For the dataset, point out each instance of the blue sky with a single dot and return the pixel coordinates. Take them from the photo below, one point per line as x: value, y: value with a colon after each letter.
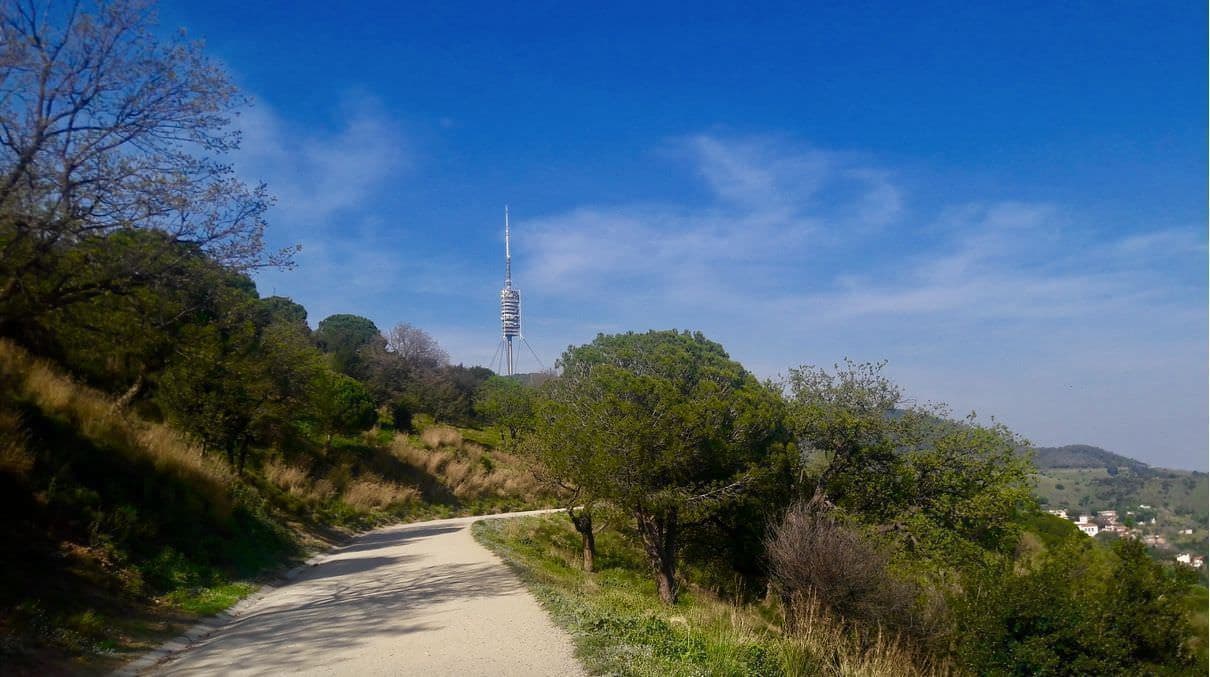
x: 1008, y: 204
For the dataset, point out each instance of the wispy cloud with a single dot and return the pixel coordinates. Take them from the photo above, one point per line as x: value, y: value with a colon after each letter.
x: 317, y: 173
x: 323, y: 178
x: 771, y: 206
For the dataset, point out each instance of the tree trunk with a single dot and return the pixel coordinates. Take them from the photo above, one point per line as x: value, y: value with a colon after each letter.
x: 588, y: 540
x: 659, y: 532
x: 243, y: 455
x: 132, y: 392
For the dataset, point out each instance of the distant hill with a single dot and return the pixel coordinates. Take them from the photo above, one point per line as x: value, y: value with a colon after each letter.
x: 1081, y: 476
x: 1083, y: 456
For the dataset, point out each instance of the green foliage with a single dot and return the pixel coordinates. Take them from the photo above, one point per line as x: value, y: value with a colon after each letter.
x: 620, y: 626
x: 951, y: 489
x: 342, y: 405
x: 1083, y: 456
x: 508, y: 403
x: 1080, y: 609
x: 1182, y: 493
x: 664, y: 425
x: 344, y: 337
x: 112, y: 131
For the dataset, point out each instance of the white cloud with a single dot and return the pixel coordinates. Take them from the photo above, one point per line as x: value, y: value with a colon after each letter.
x: 317, y: 173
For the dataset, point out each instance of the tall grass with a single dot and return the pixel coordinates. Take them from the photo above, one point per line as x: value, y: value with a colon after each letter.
x: 93, y: 414
x: 15, y: 459
x: 621, y: 627
x: 372, y: 494
x: 469, y: 470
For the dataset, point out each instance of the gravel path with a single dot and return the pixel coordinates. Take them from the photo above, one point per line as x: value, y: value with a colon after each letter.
x: 417, y: 599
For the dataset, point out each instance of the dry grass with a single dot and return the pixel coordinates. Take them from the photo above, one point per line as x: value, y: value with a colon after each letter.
x: 822, y: 644
x: 94, y: 415
x: 368, y: 492
x: 437, y: 436
x: 291, y: 479
x: 468, y: 469
x: 15, y: 459
x: 373, y: 493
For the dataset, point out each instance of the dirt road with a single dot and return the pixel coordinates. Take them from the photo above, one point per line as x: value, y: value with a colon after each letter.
x: 417, y: 599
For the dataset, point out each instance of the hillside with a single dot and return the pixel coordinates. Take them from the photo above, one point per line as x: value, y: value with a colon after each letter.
x: 1083, y: 456
x: 118, y: 531
x: 1085, y: 477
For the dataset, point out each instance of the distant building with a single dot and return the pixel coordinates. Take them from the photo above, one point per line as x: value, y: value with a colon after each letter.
x: 1089, y: 528
x: 1119, y: 529
x: 1155, y: 540
x: 1110, y: 515
x: 1082, y: 519
x: 1187, y: 532
x: 1058, y: 513
x: 1195, y: 561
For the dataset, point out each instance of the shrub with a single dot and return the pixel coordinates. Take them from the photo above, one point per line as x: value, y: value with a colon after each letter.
x: 815, y: 561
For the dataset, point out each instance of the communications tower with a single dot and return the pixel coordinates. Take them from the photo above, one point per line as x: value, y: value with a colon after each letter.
x: 510, y: 304
x: 510, y: 313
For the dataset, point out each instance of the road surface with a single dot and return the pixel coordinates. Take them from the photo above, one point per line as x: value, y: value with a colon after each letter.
x: 416, y: 599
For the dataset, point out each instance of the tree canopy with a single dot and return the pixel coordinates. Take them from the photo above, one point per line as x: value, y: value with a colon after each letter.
x: 665, y: 425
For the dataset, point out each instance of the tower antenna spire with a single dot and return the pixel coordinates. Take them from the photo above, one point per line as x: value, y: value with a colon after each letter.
x: 510, y: 304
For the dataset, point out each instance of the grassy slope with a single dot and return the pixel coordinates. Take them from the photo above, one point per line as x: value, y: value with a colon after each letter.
x: 620, y: 627
x: 118, y: 533
x: 1080, y: 476
x: 1182, y: 493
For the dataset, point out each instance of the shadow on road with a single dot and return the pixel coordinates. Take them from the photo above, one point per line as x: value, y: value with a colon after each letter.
x: 358, y: 601
x: 396, y: 536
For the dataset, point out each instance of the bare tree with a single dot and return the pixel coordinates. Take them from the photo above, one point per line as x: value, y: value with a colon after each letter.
x: 106, y: 128
x: 416, y: 347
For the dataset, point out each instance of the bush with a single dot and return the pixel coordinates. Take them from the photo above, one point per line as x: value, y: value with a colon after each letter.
x: 1080, y: 609
x: 815, y: 560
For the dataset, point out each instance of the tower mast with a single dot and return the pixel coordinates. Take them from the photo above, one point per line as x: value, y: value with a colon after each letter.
x: 510, y: 303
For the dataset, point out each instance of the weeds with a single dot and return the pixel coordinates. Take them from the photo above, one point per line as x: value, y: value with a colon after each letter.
x: 620, y: 626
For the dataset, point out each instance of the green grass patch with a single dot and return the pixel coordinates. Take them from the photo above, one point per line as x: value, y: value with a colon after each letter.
x: 208, y: 601
x: 620, y: 627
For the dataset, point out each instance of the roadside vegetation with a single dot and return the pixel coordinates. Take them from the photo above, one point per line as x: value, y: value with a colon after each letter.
x: 119, y: 530
x: 817, y: 525
x: 620, y: 626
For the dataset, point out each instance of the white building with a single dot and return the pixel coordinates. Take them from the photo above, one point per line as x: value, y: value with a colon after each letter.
x: 1088, y: 527
x: 1058, y: 513
x: 1111, y: 515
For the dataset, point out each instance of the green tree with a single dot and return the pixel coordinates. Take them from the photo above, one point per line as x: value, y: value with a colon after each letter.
x: 345, y: 337
x: 949, y: 488
x: 342, y: 405
x: 108, y: 128
x: 508, y: 403
x: 1079, y: 608
x: 240, y: 375
x: 663, y: 424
